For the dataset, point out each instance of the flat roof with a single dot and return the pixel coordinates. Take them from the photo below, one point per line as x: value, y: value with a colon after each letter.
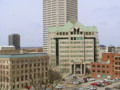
x: 23, y: 55
x: 7, y: 46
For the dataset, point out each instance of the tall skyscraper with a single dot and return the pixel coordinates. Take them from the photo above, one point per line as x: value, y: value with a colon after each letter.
x: 14, y: 39
x: 57, y: 13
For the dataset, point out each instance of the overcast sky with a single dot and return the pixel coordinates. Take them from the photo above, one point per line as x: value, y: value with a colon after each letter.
x: 24, y: 17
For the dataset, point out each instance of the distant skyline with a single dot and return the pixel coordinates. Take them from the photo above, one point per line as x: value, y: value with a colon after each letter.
x: 24, y: 17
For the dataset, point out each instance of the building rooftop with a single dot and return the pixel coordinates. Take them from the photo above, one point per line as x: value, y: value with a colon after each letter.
x: 23, y: 55
x: 69, y: 25
x: 7, y: 46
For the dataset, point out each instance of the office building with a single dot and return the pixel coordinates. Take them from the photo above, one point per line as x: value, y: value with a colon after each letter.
x: 14, y: 39
x: 73, y: 47
x: 22, y: 70
x: 57, y: 13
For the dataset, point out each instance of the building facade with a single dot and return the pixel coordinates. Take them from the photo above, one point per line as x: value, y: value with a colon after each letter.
x: 73, y: 47
x: 7, y: 48
x: 14, y: 39
x: 18, y: 71
x: 102, y: 70
x: 57, y: 13
x: 109, y: 68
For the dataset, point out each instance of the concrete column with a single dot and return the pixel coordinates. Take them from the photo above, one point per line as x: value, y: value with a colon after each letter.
x: 74, y: 69
x: 81, y: 69
x: 84, y: 69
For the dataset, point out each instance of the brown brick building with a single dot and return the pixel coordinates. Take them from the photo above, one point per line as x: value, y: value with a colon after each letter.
x: 101, y: 70
x: 108, y: 68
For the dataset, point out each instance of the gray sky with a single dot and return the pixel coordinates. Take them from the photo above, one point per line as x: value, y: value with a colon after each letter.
x: 25, y: 18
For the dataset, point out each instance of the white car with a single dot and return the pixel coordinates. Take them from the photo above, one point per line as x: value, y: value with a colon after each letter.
x: 59, y: 87
x: 92, y: 79
x: 101, y: 81
x: 92, y: 88
x: 75, y: 82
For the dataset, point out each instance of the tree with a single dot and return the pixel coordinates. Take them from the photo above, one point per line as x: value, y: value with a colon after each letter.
x: 53, y: 79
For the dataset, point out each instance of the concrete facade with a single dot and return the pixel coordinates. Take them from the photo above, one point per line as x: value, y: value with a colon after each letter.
x: 73, y: 47
x: 57, y: 13
x: 21, y: 70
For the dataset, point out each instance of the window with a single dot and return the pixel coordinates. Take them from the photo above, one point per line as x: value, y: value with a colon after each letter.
x: 116, y: 58
x: 21, y: 78
x: 103, y: 66
x: 74, y: 31
x: 89, y: 33
x: 21, y: 66
x: 103, y: 71
x: 71, y: 33
x: 86, y: 33
x: 98, y: 71
x: 98, y: 66
x: 81, y: 33
x: 78, y: 31
x: 116, y: 73
x: 93, y: 70
x: 25, y: 77
x: 60, y: 33
x: 93, y: 65
x: 116, y: 68
x: 71, y: 38
x: 66, y: 33
x: 116, y: 63
x: 74, y: 38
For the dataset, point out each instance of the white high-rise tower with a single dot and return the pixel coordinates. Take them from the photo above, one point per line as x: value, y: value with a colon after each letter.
x: 57, y: 13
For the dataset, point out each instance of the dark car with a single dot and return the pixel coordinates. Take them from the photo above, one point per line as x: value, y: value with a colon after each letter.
x: 100, y: 85
x: 85, y: 79
x: 107, y: 88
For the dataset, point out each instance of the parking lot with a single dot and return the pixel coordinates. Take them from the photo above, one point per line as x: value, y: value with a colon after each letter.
x: 69, y: 85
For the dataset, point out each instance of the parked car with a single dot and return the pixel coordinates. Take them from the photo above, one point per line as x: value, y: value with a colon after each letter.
x: 85, y: 79
x: 94, y: 83
x: 107, y: 83
x: 100, y: 85
x: 113, y: 81
x: 107, y: 88
x: 74, y: 77
x: 59, y: 87
x: 75, y: 82
x: 116, y: 86
x: 79, y: 88
x: 81, y: 80
x: 47, y: 89
x: 91, y: 88
x: 92, y: 79
x: 101, y: 81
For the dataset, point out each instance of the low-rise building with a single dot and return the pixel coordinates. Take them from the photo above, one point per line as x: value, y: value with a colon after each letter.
x: 101, y: 70
x: 7, y: 48
x: 108, y: 68
x: 21, y: 70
